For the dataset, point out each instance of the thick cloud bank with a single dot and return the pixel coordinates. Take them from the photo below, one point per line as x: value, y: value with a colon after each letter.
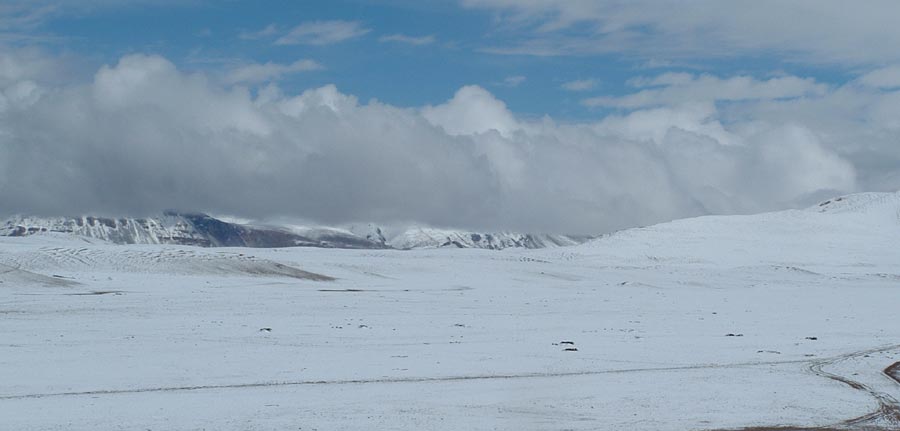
x: 143, y: 136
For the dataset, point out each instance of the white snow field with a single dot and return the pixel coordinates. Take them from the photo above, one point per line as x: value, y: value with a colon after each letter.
x: 95, y: 336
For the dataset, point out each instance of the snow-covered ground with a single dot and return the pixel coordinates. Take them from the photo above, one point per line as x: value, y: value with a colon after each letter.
x: 716, y: 322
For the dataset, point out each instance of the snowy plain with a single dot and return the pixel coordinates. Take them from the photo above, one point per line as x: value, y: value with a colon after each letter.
x: 724, y: 322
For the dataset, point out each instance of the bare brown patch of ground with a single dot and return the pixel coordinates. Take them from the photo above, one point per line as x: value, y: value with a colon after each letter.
x: 893, y: 372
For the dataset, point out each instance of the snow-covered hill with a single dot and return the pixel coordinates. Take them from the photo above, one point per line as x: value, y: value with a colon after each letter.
x: 828, y: 232
x: 783, y: 320
x: 207, y: 231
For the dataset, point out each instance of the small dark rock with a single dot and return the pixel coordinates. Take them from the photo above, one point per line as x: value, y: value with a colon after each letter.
x: 812, y: 338
x: 570, y: 349
x: 265, y: 329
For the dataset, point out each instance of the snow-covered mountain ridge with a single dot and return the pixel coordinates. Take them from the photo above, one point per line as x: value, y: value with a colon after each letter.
x: 827, y: 218
x: 203, y: 230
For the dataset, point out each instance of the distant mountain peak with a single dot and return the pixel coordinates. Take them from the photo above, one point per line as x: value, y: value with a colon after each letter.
x: 426, y: 237
x: 199, y: 229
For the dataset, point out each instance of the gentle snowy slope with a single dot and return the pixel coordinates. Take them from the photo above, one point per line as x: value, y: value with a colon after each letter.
x: 862, y: 227
x: 711, y: 323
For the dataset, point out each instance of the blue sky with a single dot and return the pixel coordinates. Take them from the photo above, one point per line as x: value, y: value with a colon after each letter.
x: 578, y: 116
x: 205, y: 36
x: 209, y: 35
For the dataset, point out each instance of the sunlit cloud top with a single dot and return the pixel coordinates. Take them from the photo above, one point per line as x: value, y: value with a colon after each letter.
x: 571, y: 117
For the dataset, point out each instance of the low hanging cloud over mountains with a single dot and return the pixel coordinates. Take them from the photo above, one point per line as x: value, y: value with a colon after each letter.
x: 142, y: 136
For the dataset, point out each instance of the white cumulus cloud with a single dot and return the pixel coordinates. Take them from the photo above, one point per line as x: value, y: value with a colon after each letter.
x: 142, y: 136
x: 886, y: 77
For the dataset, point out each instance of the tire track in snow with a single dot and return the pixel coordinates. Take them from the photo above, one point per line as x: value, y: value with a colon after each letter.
x: 397, y: 380
x: 885, y: 418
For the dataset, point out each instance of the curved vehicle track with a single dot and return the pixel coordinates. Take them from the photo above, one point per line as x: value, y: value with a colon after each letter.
x: 885, y: 418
